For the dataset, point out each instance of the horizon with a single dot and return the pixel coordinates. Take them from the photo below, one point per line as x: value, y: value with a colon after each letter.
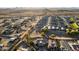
x: 38, y: 3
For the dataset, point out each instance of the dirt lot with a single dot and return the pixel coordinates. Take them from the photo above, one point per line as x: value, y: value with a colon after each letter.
x: 37, y: 12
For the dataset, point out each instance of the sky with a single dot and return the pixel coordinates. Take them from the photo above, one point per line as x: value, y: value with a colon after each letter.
x: 39, y: 3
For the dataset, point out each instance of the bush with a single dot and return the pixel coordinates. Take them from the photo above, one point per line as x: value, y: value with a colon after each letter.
x: 42, y: 34
x: 74, y: 33
x: 45, y: 30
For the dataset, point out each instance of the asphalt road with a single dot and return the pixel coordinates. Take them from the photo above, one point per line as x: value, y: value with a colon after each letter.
x: 66, y: 45
x: 56, y: 22
x: 53, y: 21
x: 41, y: 23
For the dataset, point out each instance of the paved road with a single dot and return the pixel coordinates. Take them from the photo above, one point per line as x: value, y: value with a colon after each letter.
x: 27, y: 32
x: 56, y: 22
x: 65, y: 19
x: 64, y: 23
x: 66, y: 45
x: 41, y: 23
x: 53, y: 21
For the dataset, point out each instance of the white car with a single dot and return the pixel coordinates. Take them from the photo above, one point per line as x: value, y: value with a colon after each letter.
x: 53, y: 27
x: 49, y: 27
x: 57, y: 28
x: 62, y: 28
x: 12, y: 39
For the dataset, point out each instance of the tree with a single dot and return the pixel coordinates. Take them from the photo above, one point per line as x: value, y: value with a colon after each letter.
x: 42, y: 34
x: 29, y: 40
x: 71, y: 19
x: 74, y: 33
x: 74, y: 25
x: 58, y: 45
x: 44, y: 30
x: 53, y: 35
x: 0, y: 31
